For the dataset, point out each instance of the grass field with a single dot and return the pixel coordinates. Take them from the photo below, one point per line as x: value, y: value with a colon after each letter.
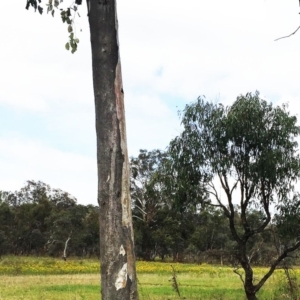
x: 49, y: 279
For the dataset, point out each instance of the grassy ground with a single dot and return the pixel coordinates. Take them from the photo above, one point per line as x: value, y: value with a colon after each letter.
x: 44, y: 278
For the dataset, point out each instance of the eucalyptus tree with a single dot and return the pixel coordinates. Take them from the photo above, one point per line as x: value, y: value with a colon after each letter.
x: 146, y: 183
x: 148, y: 198
x: 118, y: 275
x: 249, y: 152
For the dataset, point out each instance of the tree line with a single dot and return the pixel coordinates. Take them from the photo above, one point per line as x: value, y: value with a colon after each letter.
x: 38, y: 220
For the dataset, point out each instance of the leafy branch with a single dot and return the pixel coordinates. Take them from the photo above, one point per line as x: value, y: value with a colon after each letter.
x: 67, y: 15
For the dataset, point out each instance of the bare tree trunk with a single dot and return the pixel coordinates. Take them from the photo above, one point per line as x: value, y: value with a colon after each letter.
x: 118, y: 274
x: 64, y: 257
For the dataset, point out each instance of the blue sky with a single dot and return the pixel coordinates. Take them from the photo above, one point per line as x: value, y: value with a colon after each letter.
x: 171, y: 52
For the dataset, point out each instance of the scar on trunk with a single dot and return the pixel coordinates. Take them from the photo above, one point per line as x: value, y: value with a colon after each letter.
x: 122, y: 250
x: 121, y: 278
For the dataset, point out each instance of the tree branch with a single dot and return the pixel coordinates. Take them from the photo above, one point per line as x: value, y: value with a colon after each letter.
x: 215, y: 193
x: 239, y: 274
x: 233, y: 187
x: 283, y: 37
x: 275, y: 264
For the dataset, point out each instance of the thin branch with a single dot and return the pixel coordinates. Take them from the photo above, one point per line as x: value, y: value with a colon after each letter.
x: 215, y: 193
x: 223, y: 184
x: 253, y: 251
x: 141, y: 210
x: 212, y: 193
x: 213, y: 205
x: 288, y: 35
x: 239, y: 274
x: 175, y: 284
x: 234, y: 186
x: 134, y: 216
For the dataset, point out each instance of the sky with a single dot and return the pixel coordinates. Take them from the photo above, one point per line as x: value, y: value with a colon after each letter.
x: 171, y: 52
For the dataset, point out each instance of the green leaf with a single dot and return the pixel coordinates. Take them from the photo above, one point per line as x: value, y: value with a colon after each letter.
x: 50, y: 8
x: 70, y: 29
x: 74, y: 48
x: 56, y: 3
x: 40, y: 9
x: 67, y: 46
x: 33, y: 3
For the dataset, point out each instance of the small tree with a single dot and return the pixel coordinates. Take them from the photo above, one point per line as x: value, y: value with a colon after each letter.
x: 249, y: 149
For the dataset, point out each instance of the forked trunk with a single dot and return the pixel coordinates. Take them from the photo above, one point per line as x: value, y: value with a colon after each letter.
x: 118, y: 275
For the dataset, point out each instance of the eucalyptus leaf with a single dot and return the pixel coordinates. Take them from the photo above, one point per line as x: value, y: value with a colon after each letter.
x: 40, y: 9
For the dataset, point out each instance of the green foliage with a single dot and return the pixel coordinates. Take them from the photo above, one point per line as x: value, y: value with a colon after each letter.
x: 262, y: 139
x: 67, y: 16
x: 34, y: 4
x: 146, y: 185
x: 287, y: 220
x: 38, y: 219
x: 148, y: 199
x: 249, y: 146
x: 251, y: 139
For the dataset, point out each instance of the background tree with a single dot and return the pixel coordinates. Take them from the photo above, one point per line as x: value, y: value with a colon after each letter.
x: 146, y: 184
x: 118, y: 274
x: 211, y: 237
x: 165, y: 208
x: 148, y: 198
x: 250, y: 148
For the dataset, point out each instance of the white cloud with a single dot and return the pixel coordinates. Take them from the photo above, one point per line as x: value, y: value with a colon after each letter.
x: 150, y: 123
x: 26, y: 159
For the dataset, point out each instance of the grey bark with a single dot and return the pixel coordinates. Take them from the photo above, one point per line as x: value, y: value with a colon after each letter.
x: 118, y: 274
